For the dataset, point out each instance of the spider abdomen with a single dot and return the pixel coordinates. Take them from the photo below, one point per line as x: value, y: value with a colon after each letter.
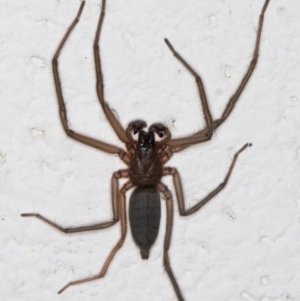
x: 144, y: 217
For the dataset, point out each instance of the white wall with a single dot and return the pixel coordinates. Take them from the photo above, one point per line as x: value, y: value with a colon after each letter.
x: 243, y: 245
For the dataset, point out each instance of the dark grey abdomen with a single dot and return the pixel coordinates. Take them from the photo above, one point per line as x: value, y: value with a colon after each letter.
x: 144, y: 217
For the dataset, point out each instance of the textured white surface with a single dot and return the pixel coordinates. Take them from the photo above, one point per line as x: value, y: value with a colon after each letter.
x: 243, y: 245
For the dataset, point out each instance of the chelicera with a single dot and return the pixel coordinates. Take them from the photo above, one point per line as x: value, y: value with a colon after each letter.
x: 145, y: 159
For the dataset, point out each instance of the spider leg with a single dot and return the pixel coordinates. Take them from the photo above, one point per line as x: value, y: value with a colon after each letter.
x: 170, y: 210
x: 114, y: 122
x: 115, y: 207
x: 108, y: 148
x: 205, y: 107
x: 236, y: 95
x: 179, y: 191
x: 71, y: 230
x: 122, y: 206
x: 165, y: 154
x: 181, y: 143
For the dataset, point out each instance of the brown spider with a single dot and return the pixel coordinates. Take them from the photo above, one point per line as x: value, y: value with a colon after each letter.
x: 145, y: 158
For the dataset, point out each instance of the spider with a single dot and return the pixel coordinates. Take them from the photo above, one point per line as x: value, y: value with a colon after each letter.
x: 145, y: 158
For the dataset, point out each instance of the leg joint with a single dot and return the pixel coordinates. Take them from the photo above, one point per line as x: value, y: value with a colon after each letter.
x: 117, y: 174
x: 170, y: 171
x: 165, y: 191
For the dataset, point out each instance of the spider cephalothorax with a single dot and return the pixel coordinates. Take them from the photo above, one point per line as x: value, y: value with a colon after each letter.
x: 145, y: 168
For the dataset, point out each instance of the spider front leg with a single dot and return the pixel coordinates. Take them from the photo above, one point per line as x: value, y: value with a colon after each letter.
x: 204, y: 135
x: 115, y: 207
x: 122, y: 206
x: 203, y: 98
x: 235, y: 97
x: 114, y: 122
x: 179, y: 191
x: 108, y: 148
